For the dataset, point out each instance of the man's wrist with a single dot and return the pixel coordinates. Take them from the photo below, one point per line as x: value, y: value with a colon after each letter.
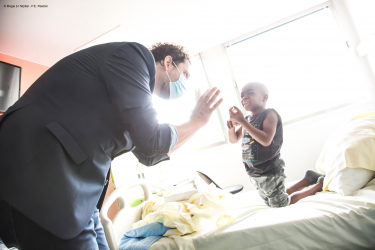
x: 196, y: 123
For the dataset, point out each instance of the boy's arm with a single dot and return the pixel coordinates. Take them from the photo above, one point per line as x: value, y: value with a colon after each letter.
x: 269, y: 127
x: 233, y: 134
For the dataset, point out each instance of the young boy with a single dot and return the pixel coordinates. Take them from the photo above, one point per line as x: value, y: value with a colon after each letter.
x: 262, y: 138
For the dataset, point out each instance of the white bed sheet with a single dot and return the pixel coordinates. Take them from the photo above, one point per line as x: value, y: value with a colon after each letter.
x: 326, y: 220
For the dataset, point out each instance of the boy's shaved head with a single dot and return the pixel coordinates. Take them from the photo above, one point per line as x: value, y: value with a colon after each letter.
x: 259, y: 86
x: 254, y: 96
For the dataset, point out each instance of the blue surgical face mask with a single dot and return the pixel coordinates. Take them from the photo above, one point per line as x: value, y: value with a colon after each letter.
x: 178, y: 88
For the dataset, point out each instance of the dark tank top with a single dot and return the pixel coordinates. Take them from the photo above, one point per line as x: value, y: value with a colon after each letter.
x: 260, y: 160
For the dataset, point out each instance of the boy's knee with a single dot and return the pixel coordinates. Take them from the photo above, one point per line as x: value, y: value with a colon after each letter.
x: 280, y: 200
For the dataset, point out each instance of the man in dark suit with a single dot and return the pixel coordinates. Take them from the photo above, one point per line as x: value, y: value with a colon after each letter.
x: 57, y: 141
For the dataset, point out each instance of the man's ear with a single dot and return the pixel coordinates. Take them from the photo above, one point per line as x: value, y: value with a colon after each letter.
x: 265, y: 98
x: 167, y: 62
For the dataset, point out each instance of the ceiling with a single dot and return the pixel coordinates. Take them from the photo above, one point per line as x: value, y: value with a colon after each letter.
x: 45, y: 35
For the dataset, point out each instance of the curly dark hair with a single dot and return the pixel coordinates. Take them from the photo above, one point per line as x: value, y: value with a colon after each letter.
x: 177, y: 52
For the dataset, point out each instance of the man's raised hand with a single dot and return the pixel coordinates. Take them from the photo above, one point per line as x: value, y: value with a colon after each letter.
x: 205, y: 106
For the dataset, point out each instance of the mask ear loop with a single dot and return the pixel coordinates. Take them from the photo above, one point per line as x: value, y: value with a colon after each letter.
x: 178, y: 70
x: 176, y: 66
x: 168, y: 76
x: 169, y: 83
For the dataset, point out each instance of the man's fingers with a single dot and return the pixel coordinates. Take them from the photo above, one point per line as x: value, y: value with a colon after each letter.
x: 213, y: 97
x: 217, y: 104
x: 210, y: 93
x: 203, y: 96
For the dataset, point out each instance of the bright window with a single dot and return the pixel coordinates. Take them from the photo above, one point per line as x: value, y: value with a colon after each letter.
x: 178, y: 111
x: 305, y: 64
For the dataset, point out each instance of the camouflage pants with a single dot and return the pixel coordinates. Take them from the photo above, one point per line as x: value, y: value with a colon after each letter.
x: 271, y: 188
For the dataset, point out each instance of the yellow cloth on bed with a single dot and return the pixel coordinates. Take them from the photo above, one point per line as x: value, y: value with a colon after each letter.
x: 363, y: 115
x: 189, y: 216
x: 350, y: 146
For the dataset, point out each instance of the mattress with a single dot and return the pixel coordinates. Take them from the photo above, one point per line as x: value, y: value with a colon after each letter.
x: 326, y: 220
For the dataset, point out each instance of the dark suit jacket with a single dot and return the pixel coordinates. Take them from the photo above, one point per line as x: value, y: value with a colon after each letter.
x: 58, y: 140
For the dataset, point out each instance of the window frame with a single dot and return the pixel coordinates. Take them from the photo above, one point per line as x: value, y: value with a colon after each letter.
x: 217, y: 111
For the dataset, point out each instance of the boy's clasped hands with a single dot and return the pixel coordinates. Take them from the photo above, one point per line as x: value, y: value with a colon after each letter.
x: 236, y: 117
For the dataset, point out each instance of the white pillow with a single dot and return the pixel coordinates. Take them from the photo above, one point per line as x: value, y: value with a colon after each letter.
x: 349, y: 180
x: 371, y: 183
x: 350, y: 146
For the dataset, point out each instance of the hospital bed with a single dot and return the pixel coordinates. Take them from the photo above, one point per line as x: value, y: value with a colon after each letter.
x: 326, y: 220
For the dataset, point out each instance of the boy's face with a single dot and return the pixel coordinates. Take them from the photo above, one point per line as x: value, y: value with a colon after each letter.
x: 252, y: 98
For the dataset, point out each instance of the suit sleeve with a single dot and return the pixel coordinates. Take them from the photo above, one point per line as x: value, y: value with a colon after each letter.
x: 130, y: 77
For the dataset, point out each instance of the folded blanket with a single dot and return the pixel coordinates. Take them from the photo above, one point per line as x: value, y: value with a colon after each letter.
x: 141, y: 238
x: 200, y: 211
